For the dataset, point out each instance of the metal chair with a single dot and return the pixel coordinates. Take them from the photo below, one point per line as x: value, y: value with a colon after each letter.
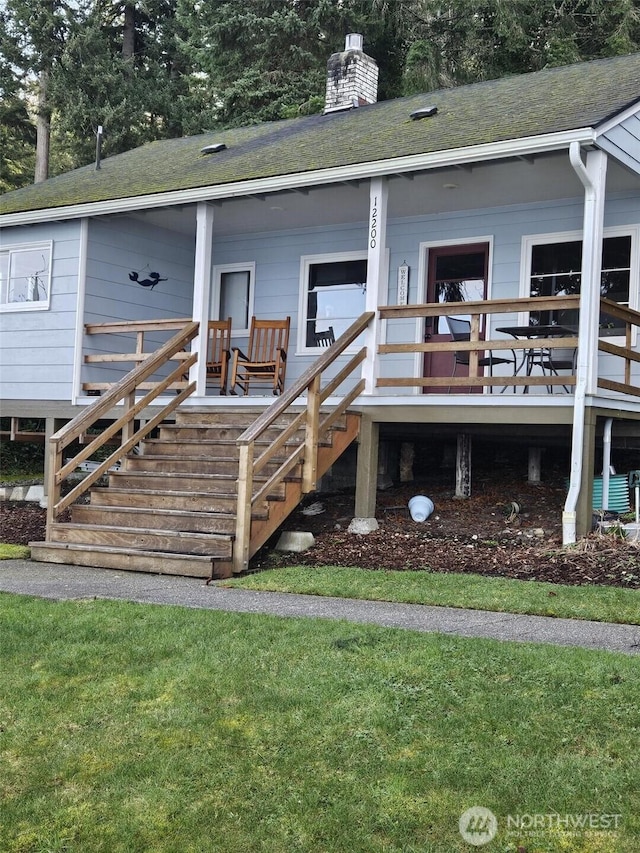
x: 266, y: 360
x: 552, y: 361
x: 218, y: 352
x: 460, y: 330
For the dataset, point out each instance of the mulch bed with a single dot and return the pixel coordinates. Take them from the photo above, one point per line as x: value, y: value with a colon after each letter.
x: 506, y: 529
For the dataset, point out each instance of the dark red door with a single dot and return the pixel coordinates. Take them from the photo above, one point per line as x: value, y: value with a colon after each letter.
x: 455, y: 274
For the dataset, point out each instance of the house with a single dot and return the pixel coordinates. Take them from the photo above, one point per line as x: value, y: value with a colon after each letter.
x: 513, y: 205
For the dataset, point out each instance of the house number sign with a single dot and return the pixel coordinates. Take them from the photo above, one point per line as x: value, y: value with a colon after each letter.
x: 403, y: 284
x: 373, y: 228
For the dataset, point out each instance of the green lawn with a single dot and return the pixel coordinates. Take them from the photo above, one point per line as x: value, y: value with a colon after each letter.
x: 128, y: 728
x: 599, y: 603
x: 14, y: 552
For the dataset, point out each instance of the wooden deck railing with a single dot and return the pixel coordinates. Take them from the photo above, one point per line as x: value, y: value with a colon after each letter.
x: 137, y: 330
x: 630, y: 318
x: 123, y: 392
x: 315, y: 427
x: 476, y: 347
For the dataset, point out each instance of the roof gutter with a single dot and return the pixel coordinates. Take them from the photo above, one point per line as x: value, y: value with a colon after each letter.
x: 359, y: 171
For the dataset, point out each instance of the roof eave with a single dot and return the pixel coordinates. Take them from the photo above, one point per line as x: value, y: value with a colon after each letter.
x: 618, y: 118
x: 358, y: 171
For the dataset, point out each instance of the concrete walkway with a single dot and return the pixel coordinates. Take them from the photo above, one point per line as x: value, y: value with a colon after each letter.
x: 62, y: 582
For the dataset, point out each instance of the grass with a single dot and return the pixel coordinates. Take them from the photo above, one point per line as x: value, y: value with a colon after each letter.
x: 127, y: 728
x: 599, y: 603
x: 14, y: 552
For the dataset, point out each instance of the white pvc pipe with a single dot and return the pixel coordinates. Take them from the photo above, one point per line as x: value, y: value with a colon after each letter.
x: 606, y: 462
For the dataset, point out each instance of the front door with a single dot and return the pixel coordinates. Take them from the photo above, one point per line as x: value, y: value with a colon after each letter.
x: 455, y: 274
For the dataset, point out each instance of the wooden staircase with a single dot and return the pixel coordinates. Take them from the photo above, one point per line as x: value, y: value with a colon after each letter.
x: 171, y: 507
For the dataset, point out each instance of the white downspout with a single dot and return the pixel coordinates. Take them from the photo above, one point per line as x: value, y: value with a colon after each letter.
x: 593, y: 178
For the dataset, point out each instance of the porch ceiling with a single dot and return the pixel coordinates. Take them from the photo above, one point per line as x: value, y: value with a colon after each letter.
x: 494, y: 184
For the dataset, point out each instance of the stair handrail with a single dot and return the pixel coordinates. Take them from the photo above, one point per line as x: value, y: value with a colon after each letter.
x: 123, y: 392
x: 310, y: 382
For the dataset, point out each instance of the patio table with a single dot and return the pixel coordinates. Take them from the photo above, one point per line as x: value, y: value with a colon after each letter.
x: 535, y: 355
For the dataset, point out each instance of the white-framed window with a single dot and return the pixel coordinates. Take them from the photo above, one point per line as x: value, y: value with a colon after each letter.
x: 332, y: 295
x: 25, y: 277
x: 554, y: 268
x: 233, y: 293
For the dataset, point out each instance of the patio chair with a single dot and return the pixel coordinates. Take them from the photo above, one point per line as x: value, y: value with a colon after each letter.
x: 460, y: 330
x: 266, y: 360
x: 552, y: 361
x: 218, y: 352
x: 324, y: 339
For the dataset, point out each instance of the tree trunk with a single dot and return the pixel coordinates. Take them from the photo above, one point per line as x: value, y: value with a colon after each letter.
x: 43, y: 129
x: 129, y: 32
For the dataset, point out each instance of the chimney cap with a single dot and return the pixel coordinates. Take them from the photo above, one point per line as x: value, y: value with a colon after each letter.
x: 353, y: 41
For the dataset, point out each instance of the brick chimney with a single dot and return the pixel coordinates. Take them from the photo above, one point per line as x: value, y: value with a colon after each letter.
x: 352, y: 77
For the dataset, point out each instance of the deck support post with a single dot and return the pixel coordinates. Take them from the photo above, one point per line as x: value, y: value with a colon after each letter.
x: 584, y: 507
x: 367, y: 469
x: 463, y: 466
x: 51, y: 426
x: 535, y: 465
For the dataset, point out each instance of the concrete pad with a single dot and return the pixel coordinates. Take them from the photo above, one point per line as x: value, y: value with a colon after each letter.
x: 363, y: 525
x: 35, y: 493
x: 19, y: 493
x: 295, y: 541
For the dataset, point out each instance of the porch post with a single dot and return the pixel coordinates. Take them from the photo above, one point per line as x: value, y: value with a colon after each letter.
x: 366, y: 477
x: 584, y: 510
x: 201, y: 289
x: 463, y: 466
x: 592, y: 229
x: 535, y: 465
x: 377, y: 277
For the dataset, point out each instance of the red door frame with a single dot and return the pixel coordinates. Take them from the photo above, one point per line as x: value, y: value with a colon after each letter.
x: 437, y: 363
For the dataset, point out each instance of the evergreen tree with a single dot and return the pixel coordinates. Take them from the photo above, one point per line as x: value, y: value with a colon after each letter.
x: 32, y: 39
x: 121, y: 69
x: 267, y: 59
x: 470, y: 40
x: 150, y: 69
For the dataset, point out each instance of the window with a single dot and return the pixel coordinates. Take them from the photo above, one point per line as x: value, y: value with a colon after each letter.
x: 234, y: 295
x: 333, y: 293
x: 556, y: 270
x: 25, y: 277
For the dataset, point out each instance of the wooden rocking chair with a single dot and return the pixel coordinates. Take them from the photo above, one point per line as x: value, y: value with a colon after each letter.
x: 218, y: 352
x: 267, y: 357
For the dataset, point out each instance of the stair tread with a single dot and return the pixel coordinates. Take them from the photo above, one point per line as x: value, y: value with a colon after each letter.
x: 74, y: 546
x: 172, y: 492
x: 181, y: 474
x: 175, y: 513
x: 140, y: 531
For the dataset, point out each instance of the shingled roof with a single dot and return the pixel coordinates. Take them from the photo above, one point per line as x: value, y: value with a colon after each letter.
x: 511, y: 108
